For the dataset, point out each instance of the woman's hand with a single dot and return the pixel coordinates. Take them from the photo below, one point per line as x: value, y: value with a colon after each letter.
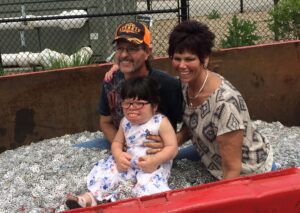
x: 123, y: 161
x: 109, y: 74
x: 147, y: 163
x: 155, y: 146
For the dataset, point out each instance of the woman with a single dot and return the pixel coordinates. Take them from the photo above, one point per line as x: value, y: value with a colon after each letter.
x: 216, y: 116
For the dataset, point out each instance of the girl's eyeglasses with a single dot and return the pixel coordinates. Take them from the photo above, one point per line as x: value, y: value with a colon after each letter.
x: 134, y: 105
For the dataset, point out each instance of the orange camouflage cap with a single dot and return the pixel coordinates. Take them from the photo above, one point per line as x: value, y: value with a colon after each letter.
x: 134, y: 32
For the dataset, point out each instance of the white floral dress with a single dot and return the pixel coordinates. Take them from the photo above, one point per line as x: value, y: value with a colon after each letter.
x: 104, y: 178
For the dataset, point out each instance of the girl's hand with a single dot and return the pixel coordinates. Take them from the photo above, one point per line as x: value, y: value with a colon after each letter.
x: 155, y: 146
x: 147, y: 164
x: 123, y: 161
x: 109, y: 74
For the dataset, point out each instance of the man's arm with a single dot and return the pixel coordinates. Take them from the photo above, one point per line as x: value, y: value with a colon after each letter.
x: 156, y: 146
x: 107, y: 127
x: 150, y: 163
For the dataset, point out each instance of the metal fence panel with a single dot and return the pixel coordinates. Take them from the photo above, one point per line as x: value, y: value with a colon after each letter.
x: 33, y: 30
x: 65, y: 26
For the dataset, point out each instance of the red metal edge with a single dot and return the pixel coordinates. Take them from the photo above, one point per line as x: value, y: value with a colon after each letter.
x: 255, y: 192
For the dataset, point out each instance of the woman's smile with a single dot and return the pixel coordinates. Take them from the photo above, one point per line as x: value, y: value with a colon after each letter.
x: 187, y: 65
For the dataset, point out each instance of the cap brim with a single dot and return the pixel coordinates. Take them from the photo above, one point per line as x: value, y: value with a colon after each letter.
x: 132, y: 40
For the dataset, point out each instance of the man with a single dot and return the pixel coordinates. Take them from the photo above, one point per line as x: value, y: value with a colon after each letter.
x: 132, y: 51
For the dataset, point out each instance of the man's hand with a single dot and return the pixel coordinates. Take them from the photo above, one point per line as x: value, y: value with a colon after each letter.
x: 123, y: 161
x: 155, y: 146
x: 147, y: 163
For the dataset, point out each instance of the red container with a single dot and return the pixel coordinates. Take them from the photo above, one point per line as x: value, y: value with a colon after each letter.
x: 277, y: 191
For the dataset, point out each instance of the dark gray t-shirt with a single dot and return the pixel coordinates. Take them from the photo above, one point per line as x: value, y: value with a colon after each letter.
x: 171, y: 100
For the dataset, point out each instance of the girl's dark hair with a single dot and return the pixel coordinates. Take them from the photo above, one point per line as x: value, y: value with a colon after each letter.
x: 191, y: 36
x: 144, y: 88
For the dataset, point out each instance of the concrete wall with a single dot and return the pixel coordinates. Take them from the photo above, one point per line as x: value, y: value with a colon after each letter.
x: 49, y: 104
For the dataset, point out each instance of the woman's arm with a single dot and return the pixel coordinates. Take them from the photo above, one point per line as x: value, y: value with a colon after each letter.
x: 230, y: 145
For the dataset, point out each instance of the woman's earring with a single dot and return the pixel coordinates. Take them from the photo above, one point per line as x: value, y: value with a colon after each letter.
x: 205, y: 66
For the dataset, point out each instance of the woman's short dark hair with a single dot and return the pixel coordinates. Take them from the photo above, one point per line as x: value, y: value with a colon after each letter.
x: 144, y: 88
x: 191, y: 36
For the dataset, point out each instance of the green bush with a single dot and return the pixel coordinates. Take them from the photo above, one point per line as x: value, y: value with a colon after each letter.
x: 214, y: 14
x: 240, y: 33
x: 285, y: 20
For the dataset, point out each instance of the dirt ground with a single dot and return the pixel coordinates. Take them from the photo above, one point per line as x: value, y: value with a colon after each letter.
x: 162, y: 28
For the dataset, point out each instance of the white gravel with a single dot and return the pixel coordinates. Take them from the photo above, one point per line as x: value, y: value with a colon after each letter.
x: 38, y: 176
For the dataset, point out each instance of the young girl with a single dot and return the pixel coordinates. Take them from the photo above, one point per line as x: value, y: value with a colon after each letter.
x: 149, y: 172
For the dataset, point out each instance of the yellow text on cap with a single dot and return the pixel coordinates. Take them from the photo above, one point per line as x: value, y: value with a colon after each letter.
x: 130, y: 28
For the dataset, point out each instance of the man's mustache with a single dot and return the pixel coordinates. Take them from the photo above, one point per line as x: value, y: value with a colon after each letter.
x: 125, y: 59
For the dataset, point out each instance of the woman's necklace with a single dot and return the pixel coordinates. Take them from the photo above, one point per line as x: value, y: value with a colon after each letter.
x: 200, y: 90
